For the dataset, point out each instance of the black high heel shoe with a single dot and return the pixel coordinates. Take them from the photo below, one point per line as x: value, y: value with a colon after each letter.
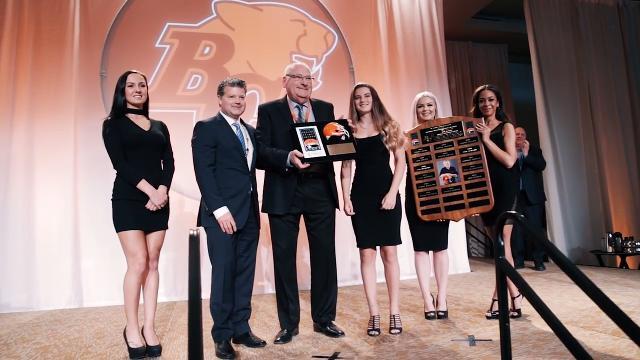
x: 134, y: 353
x: 513, y: 312
x: 395, y: 324
x: 373, y: 327
x: 492, y: 314
x: 431, y: 315
x: 442, y: 314
x: 152, y: 350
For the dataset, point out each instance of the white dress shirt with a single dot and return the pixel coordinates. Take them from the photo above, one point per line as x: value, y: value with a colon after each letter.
x: 248, y: 152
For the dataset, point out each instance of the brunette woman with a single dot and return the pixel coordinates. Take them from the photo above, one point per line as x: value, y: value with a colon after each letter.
x: 373, y: 201
x: 140, y: 151
x: 499, y: 140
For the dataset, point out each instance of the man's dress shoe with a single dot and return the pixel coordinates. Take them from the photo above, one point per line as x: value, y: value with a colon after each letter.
x: 329, y: 329
x: 284, y: 336
x: 539, y: 267
x: 224, y: 350
x: 249, y: 340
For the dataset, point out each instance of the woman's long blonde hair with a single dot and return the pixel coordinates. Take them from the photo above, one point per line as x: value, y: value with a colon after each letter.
x: 429, y: 94
x: 392, y: 135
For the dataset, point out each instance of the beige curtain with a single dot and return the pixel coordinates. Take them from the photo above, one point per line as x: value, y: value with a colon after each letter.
x: 470, y: 65
x: 629, y: 13
x: 52, y: 251
x: 585, y: 65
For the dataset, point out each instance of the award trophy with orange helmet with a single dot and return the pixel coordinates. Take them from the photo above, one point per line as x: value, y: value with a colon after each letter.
x: 323, y: 141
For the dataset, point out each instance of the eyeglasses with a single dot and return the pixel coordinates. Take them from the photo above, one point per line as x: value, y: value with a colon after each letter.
x: 300, y: 77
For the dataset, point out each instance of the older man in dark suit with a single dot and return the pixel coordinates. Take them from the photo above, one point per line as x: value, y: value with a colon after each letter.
x: 293, y: 189
x: 531, y: 163
x: 224, y: 160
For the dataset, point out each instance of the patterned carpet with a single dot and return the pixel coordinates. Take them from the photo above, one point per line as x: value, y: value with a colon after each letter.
x: 96, y: 333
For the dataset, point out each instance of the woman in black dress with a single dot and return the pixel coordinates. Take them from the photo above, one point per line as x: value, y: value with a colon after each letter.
x: 499, y: 141
x: 428, y: 235
x: 374, y: 202
x: 140, y: 151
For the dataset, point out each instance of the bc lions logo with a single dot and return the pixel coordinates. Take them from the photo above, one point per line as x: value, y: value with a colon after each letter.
x: 252, y: 41
x: 185, y: 59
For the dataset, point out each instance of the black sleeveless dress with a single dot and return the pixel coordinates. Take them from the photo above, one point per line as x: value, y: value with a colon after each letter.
x: 373, y: 176
x: 426, y: 235
x: 504, y: 182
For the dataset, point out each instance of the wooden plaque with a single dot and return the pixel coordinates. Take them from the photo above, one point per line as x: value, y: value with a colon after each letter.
x: 448, y: 169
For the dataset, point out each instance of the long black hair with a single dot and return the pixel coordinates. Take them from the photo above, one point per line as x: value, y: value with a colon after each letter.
x: 475, y: 109
x: 119, y: 105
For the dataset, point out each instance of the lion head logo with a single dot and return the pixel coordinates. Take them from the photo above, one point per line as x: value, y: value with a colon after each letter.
x: 250, y: 40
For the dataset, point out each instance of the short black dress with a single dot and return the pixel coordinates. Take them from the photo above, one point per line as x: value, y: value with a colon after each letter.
x: 372, y: 179
x: 426, y: 235
x: 138, y: 154
x: 505, y: 183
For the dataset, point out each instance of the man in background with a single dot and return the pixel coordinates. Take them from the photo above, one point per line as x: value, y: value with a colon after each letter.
x: 531, y: 163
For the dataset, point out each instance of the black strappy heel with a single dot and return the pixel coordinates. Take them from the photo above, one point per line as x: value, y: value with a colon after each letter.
x: 373, y: 327
x: 395, y: 324
x: 492, y: 314
x: 513, y: 312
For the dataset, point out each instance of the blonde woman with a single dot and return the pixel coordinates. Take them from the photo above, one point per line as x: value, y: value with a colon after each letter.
x: 373, y: 201
x: 428, y: 236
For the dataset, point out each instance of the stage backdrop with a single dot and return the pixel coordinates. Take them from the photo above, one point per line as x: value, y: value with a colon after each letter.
x: 58, y: 65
